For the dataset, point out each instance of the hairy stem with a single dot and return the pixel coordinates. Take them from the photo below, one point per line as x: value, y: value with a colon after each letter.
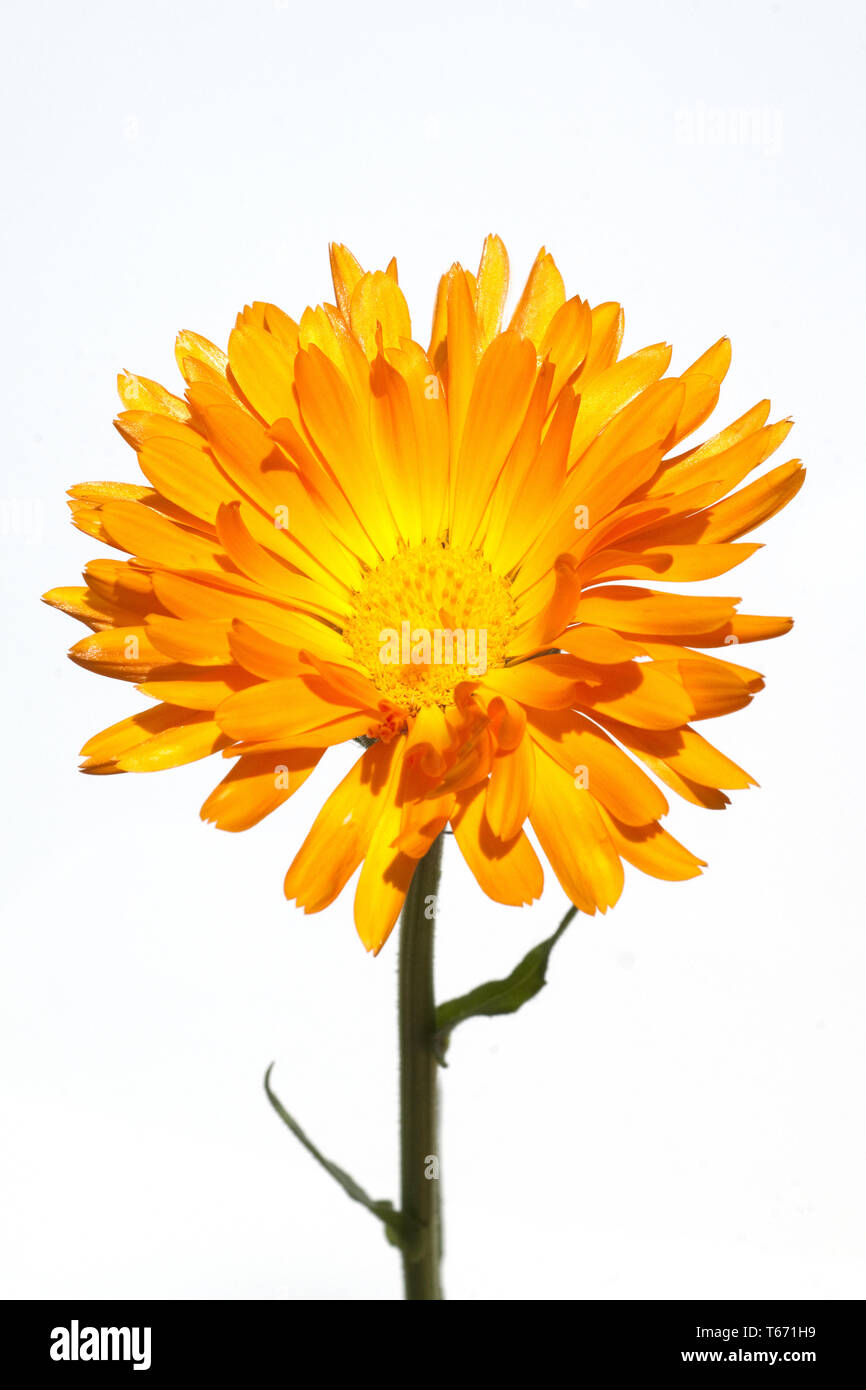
x: 419, y: 1135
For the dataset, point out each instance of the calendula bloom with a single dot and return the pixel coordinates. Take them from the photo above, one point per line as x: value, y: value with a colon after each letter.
x: 452, y: 552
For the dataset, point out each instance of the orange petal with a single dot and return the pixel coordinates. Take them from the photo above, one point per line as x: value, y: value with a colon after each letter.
x: 464, y: 350
x: 566, y: 341
x: 675, y: 564
x: 510, y: 789
x: 595, y: 762
x: 396, y: 444
x: 101, y: 751
x: 652, y: 850
x: 652, y: 695
x: 345, y: 273
x: 126, y: 653
x: 138, y: 393
x: 386, y: 872
x: 90, y: 608
x: 377, y: 301
x: 257, y: 785
x: 150, y: 536
x: 686, y: 752
x: 500, y: 394
x: 201, y: 689
x: 341, y: 833
x: 629, y: 609
x: 491, y: 288
x: 543, y: 295
x: 184, y: 472
x: 540, y: 683
x: 508, y: 871
x: 200, y: 643
x: 282, y: 708
x: 569, y: 826
x: 615, y: 388
x: 175, y: 747
x: 263, y: 368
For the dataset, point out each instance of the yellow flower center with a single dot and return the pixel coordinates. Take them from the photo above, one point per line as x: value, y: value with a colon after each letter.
x: 428, y: 619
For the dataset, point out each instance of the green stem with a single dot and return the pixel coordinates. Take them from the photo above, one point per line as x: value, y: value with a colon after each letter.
x: 419, y: 1135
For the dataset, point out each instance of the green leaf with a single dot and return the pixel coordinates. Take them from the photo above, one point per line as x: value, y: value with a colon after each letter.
x: 397, y: 1229
x: 499, y: 996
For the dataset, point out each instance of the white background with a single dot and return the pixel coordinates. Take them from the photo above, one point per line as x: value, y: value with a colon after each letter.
x: 680, y: 1114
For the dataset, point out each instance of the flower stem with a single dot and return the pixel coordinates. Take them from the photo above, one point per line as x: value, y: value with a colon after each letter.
x: 419, y: 1135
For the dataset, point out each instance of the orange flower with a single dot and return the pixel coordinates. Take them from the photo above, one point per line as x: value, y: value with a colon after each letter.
x: 452, y: 553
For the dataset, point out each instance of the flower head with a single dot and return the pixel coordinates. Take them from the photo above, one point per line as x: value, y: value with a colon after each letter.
x: 451, y: 554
